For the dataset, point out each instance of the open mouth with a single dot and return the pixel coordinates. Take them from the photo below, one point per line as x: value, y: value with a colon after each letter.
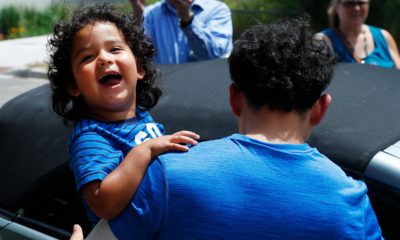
x: 111, y: 79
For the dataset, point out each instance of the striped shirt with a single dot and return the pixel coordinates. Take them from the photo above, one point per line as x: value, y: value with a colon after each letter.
x: 96, y: 148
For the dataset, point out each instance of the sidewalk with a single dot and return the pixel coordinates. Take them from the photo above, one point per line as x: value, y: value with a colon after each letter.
x: 22, y: 66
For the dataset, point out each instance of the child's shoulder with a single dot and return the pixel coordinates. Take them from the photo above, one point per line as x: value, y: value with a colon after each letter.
x: 141, y: 126
x: 90, y: 126
x: 96, y: 125
x: 86, y: 125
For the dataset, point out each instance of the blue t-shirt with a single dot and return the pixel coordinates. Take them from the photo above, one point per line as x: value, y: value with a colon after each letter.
x: 242, y: 188
x: 209, y: 36
x: 380, y: 56
x: 96, y: 148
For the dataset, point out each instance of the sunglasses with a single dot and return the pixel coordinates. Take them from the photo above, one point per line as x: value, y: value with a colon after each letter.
x: 351, y: 4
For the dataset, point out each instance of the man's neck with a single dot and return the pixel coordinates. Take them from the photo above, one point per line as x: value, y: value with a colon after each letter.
x: 275, y: 126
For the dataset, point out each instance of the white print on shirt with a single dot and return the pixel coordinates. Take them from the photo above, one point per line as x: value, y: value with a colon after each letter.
x: 150, y: 132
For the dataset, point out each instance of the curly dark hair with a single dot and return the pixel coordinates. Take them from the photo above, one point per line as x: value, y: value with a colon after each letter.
x: 60, y: 46
x: 281, y: 65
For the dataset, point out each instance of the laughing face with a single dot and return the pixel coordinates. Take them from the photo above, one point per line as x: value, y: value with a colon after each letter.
x: 105, y: 72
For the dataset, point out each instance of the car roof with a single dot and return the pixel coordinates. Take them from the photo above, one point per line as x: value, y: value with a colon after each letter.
x: 196, y: 97
x: 363, y: 117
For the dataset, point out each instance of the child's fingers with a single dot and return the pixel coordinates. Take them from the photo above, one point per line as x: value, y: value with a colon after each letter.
x: 188, y: 134
x: 179, y: 147
x: 183, y: 139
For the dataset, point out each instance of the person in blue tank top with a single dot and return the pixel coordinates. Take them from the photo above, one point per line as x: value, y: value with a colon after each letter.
x: 264, y: 182
x: 353, y: 40
x: 103, y: 81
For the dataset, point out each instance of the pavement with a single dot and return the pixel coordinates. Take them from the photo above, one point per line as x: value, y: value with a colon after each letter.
x: 23, y: 66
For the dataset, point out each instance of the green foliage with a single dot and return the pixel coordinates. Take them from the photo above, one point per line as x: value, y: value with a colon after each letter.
x: 22, y: 21
x: 317, y: 9
x: 246, y: 13
x: 9, y: 19
x: 384, y: 14
x: 26, y: 21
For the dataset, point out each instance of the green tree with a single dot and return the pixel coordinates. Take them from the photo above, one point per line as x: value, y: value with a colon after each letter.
x: 9, y: 19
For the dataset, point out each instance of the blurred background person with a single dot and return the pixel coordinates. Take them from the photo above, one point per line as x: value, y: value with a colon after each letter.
x: 353, y: 40
x: 187, y: 30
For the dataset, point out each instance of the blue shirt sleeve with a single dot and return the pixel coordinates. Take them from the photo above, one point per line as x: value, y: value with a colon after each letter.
x: 92, y: 157
x: 144, y: 216
x: 211, y: 36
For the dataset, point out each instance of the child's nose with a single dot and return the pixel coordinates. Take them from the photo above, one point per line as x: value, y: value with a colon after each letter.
x: 104, y: 58
x: 105, y: 62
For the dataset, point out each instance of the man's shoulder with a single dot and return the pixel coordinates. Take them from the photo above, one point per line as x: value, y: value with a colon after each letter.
x: 203, y: 148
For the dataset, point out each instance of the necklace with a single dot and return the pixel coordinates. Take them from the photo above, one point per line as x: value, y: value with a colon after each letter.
x: 365, y: 46
x: 352, y: 48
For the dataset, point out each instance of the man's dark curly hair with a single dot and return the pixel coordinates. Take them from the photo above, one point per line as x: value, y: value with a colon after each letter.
x: 281, y: 65
x: 60, y: 46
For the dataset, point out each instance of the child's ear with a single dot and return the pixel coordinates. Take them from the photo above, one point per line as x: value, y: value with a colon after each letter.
x: 73, y: 90
x: 140, y: 72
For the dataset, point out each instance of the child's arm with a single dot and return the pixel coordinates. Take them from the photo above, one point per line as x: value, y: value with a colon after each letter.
x: 109, y: 197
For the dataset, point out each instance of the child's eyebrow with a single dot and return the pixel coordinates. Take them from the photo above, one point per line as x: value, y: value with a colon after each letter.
x: 80, y: 51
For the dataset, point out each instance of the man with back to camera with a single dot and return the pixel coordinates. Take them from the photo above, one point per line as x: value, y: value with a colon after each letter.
x: 264, y: 182
x: 187, y: 30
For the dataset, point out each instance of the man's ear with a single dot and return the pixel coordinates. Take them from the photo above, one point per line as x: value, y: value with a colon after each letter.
x: 235, y: 99
x: 319, y: 109
x: 73, y: 90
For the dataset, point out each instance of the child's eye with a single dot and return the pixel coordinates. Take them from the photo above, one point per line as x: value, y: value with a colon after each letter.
x: 86, y: 58
x: 115, y: 49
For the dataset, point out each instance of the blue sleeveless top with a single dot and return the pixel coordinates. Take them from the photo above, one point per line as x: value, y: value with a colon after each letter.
x: 380, y: 56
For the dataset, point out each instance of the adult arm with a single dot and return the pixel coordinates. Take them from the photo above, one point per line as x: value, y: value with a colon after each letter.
x: 393, y: 49
x: 210, y: 35
x: 138, y: 8
x: 183, y: 10
x: 107, y: 198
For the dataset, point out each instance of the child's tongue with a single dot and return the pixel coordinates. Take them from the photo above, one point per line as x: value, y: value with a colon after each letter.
x: 112, y: 81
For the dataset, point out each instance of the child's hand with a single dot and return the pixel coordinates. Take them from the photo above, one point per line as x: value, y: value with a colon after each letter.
x: 174, y: 142
x: 109, y: 197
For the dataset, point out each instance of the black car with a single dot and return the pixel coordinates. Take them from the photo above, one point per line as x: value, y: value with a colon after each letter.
x: 360, y: 133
